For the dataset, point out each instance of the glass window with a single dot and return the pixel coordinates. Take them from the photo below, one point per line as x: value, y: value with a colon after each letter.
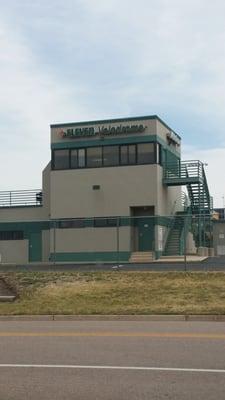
x: 76, y: 223
x: 100, y: 222
x: 146, y: 153
x: 11, y: 235
x: 110, y: 155
x: 94, y: 157
x: 61, y: 159
x: 81, y: 158
x: 128, y: 154
x: 124, y: 155
x: 158, y: 153
x: 132, y: 154
x: 74, y: 159
x: 112, y: 221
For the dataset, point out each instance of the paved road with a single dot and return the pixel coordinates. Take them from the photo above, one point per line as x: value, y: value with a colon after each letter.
x: 112, y: 360
x: 210, y: 264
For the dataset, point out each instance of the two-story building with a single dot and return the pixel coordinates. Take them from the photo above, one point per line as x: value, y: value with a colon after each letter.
x: 112, y: 187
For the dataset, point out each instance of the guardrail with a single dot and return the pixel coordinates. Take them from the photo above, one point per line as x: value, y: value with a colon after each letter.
x: 17, y: 198
x: 184, y: 169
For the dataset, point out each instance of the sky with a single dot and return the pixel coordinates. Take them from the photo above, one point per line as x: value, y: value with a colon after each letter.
x: 74, y: 60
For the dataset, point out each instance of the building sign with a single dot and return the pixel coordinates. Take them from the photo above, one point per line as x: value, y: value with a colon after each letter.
x: 101, y: 131
x: 173, y: 139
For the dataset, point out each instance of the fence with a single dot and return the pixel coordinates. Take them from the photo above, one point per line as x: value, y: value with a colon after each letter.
x: 127, y: 239
x: 17, y: 198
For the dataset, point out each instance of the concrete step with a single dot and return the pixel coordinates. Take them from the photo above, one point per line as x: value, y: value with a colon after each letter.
x: 141, y: 257
x: 6, y: 293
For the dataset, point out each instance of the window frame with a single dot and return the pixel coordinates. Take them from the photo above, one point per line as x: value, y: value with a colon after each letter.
x: 157, y: 148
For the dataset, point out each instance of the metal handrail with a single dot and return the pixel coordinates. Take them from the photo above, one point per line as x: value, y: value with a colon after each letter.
x: 170, y: 225
x: 16, y: 198
x: 179, y: 169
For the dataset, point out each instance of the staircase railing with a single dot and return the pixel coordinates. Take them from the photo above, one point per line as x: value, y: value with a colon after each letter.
x: 209, y: 198
x: 185, y: 229
x: 175, y: 170
x: 170, y: 225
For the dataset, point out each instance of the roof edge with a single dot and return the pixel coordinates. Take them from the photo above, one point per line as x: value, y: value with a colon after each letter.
x: 112, y: 120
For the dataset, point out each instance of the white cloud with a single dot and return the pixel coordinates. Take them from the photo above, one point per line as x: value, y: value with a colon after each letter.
x: 109, y: 58
x: 215, y: 160
x: 30, y: 100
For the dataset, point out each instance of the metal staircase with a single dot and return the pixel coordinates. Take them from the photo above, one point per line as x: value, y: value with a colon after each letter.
x: 173, y: 240
x: 192, y: 175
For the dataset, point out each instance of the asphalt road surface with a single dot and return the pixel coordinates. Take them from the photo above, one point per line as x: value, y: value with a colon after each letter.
x: 210, y: 264
x: 112, y: 360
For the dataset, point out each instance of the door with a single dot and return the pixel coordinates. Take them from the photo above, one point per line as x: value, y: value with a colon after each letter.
x: 35, y: 246
x: 145, y: 234
x: 142, y: 232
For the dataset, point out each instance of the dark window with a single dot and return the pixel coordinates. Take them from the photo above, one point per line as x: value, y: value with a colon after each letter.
x: 110, y: 155
x: 132, y: 154
x: 123, y: 155
x: 105, y: 222
x: 76, y: 223
x: 158, y: 153
x: 112, y: 221
x: 91, y: 157
x: 61, y: 159
x: 94, y: 157
x: 81, y: 158
x: 11, y: 235
x: 100, y: 222
x: 74, y: 159
x: 128, y: 154
x: 146, y: 153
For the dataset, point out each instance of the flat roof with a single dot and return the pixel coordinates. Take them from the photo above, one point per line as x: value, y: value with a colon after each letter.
x: 102, y: 121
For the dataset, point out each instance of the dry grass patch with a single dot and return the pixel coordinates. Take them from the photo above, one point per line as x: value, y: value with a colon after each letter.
x: 116, y: 293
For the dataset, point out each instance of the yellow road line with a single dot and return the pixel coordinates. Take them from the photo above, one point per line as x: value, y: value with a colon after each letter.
x: 169, y: 335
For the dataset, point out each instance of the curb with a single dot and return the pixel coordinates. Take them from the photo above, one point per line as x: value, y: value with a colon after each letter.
x: 7, y: 298
x: 144, y: 318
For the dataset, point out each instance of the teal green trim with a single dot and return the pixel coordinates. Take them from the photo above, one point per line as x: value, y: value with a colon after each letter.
x: 109, y: 121
x: 104, y: 142
x: 123, y: 221
x: 114, y: 141
x: 91, y: 256
x: 34, y: 226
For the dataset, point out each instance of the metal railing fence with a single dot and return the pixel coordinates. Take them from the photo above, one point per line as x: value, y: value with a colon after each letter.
x: 16, y: 198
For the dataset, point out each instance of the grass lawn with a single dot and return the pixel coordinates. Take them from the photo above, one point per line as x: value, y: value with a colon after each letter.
x: 116, y: 293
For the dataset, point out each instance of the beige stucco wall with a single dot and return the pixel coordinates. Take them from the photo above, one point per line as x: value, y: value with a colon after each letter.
x: 219, y: 237
x: 21, y: 214
x: 120, y: 188
x: 46, y: 191
x: 90, y: 240
x: 14, y: 251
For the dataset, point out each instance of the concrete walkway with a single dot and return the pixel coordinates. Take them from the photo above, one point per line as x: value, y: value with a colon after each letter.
x: 5, y: 293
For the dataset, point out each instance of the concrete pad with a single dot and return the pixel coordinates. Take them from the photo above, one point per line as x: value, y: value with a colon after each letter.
x: 189, y: 258
x: 7, y: 298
